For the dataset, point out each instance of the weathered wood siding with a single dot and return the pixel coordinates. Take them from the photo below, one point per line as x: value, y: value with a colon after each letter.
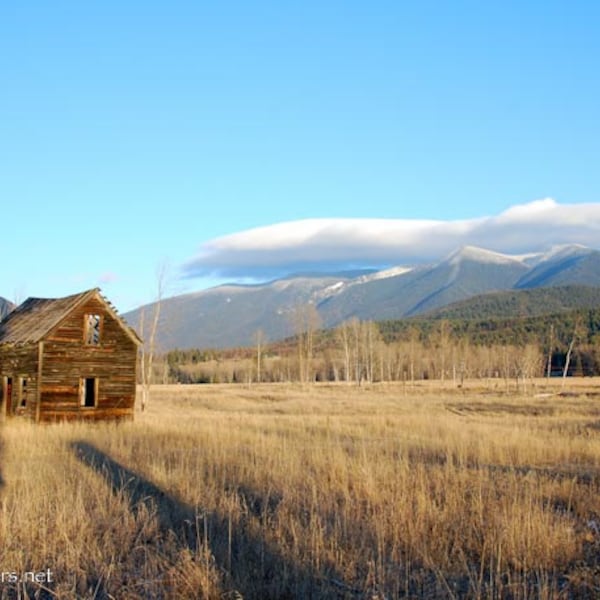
x: 19, y: 362
x: 67, y: 359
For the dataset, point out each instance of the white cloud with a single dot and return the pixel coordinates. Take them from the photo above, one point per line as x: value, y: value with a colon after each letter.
x: 326, y: 244
x: 533, y: 210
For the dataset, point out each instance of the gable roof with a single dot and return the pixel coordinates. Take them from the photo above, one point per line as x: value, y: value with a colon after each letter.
x: 36, y: 317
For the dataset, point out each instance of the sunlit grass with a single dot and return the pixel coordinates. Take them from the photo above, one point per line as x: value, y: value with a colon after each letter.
x: 318, y: 491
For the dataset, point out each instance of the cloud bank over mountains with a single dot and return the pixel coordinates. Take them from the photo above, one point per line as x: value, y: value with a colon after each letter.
x: 339, y: 244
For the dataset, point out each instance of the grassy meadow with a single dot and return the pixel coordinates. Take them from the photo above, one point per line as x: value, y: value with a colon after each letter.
x: 322, y: 491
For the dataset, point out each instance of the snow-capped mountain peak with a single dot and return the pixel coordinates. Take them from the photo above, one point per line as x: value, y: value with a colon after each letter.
x: 229, y: 315
x: 391, y: 272
x: 476, y: 254
x: 565, y: 250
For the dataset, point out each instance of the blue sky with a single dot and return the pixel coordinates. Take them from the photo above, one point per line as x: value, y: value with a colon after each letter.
x: 140, y: 132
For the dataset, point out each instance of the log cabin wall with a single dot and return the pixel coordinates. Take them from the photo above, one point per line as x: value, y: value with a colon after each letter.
x: 100, y: 365
x: 19, y: 379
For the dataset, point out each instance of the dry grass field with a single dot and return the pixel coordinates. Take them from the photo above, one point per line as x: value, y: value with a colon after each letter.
x: 332, y: 491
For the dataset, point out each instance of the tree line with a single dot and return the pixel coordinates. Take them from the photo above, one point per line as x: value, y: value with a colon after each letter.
x: 407, y: 350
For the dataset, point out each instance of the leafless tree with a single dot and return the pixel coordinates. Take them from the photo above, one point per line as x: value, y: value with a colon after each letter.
x: 148, y: 348
x: 343, y: 336
x: 370, y: 340
x: 442, y: 340
x: 259, y: 338
x: 19, y: 294
x: 577, y: 333
x: 306, y: 320
x: 356, y: 353
x: 413, y: 341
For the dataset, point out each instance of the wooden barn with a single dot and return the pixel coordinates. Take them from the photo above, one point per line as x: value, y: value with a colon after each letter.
x: 67, y: 358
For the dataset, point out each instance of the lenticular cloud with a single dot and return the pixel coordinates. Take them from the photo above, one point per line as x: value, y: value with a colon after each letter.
x: 337, y: 244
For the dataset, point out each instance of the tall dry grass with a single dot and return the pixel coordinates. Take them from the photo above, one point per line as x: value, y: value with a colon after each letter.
x: 316, y: 492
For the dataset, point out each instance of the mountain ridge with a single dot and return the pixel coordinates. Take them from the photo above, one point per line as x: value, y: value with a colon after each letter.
x: 232, y: 314
x: 535, y: 302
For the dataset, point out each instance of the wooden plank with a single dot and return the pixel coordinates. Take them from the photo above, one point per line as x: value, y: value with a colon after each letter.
x: 38, y: 393
x: 89, y: 414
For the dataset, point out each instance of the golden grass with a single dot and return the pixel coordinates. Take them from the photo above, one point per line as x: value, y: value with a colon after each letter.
x: 326, y: 491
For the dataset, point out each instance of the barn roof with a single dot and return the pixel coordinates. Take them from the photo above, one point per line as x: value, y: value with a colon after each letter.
x: 32, y: 320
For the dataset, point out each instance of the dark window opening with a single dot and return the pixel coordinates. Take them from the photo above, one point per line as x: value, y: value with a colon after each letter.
x: 23, y: 402
x: 89, y: 392
x: 92, y: 329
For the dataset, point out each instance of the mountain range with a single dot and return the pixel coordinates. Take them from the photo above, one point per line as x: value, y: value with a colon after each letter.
x: 231, y: 315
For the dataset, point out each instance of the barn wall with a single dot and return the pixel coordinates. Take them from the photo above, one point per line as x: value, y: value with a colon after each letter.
x: 67, y: 358
x: 19, y: 362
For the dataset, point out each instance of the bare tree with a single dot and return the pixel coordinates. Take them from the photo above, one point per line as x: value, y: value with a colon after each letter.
x: 306, y: 322
x: 148, y: 348
x: 259, y: 337
x: 343, y: 336
x: 462, y: 357
x: 413, y: 340
x: 577, y: 333
x: 371, y: 337
x: 533, y: 363
x: 442, y: 340
x: 356, y: 350
x: 19, y: 294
